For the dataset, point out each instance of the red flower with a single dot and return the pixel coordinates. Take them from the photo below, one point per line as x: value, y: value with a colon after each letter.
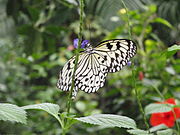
x: 166, y: 118
x: 141, y: 75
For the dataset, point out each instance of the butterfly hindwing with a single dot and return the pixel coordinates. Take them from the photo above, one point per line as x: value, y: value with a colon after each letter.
x: 90, y: 74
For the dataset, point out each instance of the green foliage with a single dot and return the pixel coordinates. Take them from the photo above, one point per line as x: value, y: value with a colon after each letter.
x: 139, y: 132
x: 155, y: 108
x: 172, y: 50
x: 165, y: 132
x: 12, y: 113
x: 36, y: 41
x: 162, y: 21
x: 52, y: 109
x: 109, y: 120
x: 159, y: 127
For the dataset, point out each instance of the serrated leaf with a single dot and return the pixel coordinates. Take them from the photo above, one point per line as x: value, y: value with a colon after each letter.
x: 52, y: 109
x: 12, y: 113
x: 165, y: 132
x: 109, y: 120
x: 159, y: 127
x: 139, y: 132
x: 156, y: 108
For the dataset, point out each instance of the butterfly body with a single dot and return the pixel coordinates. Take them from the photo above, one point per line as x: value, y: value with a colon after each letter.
x: 94, y: 64
x: 89, y: 49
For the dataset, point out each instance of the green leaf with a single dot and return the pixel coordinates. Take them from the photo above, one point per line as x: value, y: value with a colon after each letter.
x: 12, y: 113
x: 52, y: 109
x: 34, y: 12
x: 139, y: 132
x: 163, y: 21
x: 109, y: 120
x: 152, y: 8
x: 174, y: 48
x: 159, y: 127
x: 165, y: 132
x: 155, y: 108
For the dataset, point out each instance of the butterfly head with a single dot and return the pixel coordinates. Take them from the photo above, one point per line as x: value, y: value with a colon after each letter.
x: 88, y: 48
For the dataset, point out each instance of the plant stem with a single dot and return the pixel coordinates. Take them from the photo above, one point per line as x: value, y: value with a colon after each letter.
x: 129, y: 26
x: 157, y: 90
x: 61, y: 122
x: 177, y: 124
x: 77, y: 54
x: 69, y: 101
x: 139, y: 100
x: 133, y: 74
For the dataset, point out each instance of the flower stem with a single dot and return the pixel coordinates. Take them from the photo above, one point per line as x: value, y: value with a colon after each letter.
x: 177, y: 124
x: 139, y: 100
x: 69, y: 101
x: 158, y: 91
x: 77, y: 54
x: 129, y: 26
x: 133, y: 74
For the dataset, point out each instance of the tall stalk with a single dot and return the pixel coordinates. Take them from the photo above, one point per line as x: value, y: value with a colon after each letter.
x: 69, y: 100
x: 133, y: 74
x: 77, y: 54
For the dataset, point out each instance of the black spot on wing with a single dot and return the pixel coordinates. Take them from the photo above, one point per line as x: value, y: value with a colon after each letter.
x: 68, y: 67
x: 117, y: 55
x: 112, y: 59
x: 118, y: 45
x: 129, y: 42
x: 70, y: 74
x: 105, y: 57
x: 109, y: 46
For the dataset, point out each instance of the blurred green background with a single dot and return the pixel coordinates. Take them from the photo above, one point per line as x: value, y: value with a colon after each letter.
x: 36, y: 39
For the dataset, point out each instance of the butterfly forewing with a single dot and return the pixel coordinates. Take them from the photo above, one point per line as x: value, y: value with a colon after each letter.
x: 92, y: 67
x: 116, y: 53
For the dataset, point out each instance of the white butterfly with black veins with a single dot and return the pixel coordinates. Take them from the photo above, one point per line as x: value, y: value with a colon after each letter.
x: 94, y: 64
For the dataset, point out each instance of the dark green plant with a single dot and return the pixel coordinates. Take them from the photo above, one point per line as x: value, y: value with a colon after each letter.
x: 29, y: 67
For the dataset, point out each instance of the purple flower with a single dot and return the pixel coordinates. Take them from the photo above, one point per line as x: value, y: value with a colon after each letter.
x: 83, y: 44
x: 75, y: 42
x: 129, y: 63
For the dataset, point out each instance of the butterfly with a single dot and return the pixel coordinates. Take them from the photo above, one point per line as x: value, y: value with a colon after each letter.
x: 94, y: 64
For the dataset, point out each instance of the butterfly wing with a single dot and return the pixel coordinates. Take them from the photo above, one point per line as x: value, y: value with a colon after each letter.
x: 89, y: 76
x: 92, y: 68
x: 65, y: 77
x: 116, y: 53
